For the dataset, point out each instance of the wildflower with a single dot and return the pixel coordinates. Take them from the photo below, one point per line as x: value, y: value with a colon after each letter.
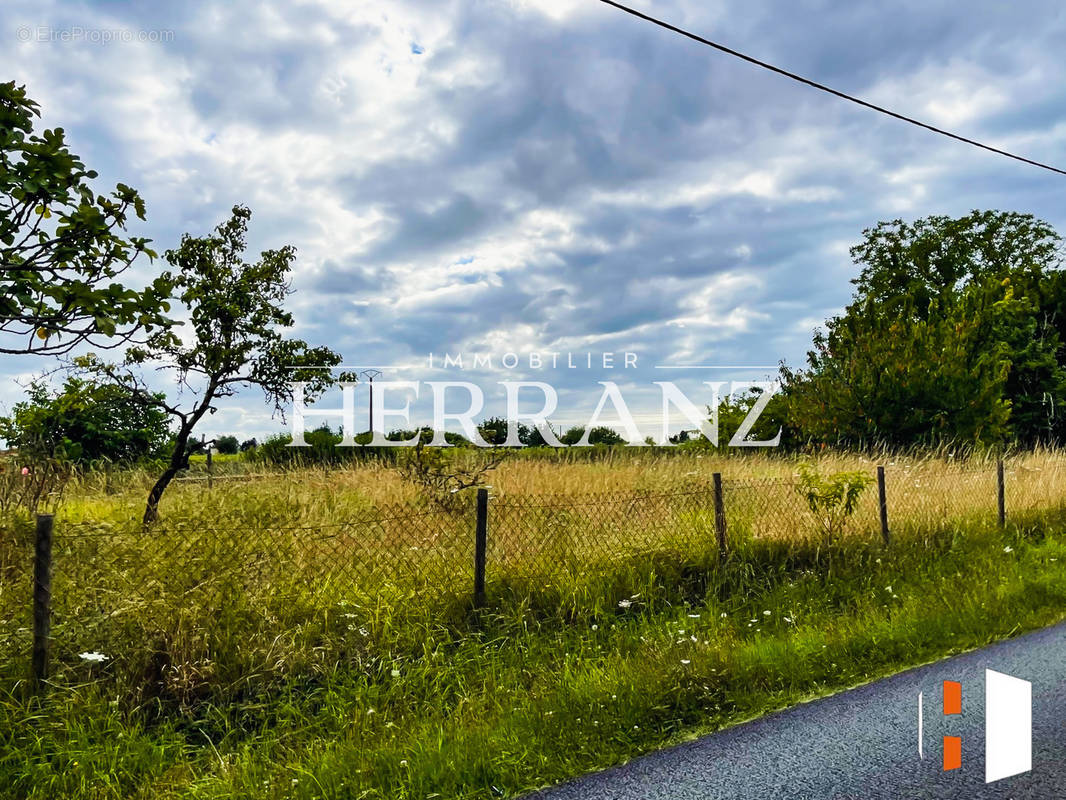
x: 1008, y: 549
x: 766, y: 613
x: 788, y: 620
x: 888, y: 589
x: 685, y: 661
x: 723, y: 615
x: 595, y: 627
x: 395, y: 673
x: 403, y: 762
x: 693, y: 616
x: 92, y: 656
x: 25, y: 470
x: 625, y: 603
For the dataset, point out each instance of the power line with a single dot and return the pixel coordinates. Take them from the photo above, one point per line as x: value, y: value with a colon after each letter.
x: 828, y: 89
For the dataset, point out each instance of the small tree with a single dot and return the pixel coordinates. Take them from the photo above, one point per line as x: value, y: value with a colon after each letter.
x: 233, y: 339
x: 832, y: 500
x: 85, y: 423
x: 227, y: 445
x: 444, y: 474
x: 62, y: 246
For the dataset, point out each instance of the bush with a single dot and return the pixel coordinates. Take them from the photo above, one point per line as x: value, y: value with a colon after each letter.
x: 85, y: 423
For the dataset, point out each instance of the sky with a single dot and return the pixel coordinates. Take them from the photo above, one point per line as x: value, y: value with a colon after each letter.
x: 547, y: 176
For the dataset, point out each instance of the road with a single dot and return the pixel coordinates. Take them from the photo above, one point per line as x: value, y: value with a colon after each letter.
x: 863, y: 743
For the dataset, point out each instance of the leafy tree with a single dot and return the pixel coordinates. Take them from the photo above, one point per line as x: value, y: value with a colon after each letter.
x: 733, y: 410
x: 832, y: 499
x: 494, y: 431
x: 601, y: 434
x: 249, y: 445
x: 956, y: 331
x: 84, y: 423
x: 227, y: 445
x: 62, y: 246
x: 234, y: 338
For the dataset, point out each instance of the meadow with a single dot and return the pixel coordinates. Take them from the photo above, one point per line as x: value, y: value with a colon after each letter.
x: 310, y: 632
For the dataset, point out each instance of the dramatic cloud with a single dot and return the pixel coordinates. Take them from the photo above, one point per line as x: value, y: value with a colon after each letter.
x: 549, y: 175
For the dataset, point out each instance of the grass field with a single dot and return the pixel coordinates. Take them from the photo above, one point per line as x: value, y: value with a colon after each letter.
x: 251, y: 656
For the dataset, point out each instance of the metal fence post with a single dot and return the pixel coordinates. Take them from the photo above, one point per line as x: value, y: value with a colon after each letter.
x: 1001, y: 495
x: 481, y: 546
x: 882, y: 499
x: 719, y: 512
x: 42, y: 599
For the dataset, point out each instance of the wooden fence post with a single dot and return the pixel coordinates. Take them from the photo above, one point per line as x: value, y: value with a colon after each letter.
x: 481, y: 546
x: 210, y: 477
x: 1001, y: 495
x: 883, y: 504
x: 42, y: 599
x: 719, y: 512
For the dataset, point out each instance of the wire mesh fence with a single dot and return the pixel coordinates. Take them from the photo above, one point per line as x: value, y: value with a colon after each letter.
x: 168, y: 575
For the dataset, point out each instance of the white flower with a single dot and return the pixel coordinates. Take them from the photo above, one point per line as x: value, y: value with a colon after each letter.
x: 788, y: 620
x: 693, y: 616
x: 723, y: 615
x: 1008, y: 549
x: 625, y: 603
x: 888, y: 589
x: 92, y: 656
x: 766, y: 613
x: 685, y: 661
x: 395, y: 673
x: 595, y: 627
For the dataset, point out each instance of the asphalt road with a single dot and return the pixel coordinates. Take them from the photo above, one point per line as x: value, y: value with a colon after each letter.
x: 863, y: 743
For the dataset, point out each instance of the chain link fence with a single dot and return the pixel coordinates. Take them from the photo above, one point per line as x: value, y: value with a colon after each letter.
x: 170, y: 575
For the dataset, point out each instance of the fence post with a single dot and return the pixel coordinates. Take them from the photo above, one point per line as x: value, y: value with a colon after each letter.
x: 42, y: 599
x: 1001, y: 494
x: 719, y: 512
x: 210, y: 477
x: 481, y: 546
x: 882, y: 499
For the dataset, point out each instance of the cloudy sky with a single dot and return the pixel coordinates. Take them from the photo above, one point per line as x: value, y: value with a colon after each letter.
x: 548, y: 175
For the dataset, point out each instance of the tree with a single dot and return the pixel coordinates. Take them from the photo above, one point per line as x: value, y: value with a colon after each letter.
x: 85, y: 423
x: 234, y: 341
x: 227, y: 445
x: 601, y: 434
x: 955, y: 331
x: 494, y: 431
x: 63, y: 247
x: 249, y: 444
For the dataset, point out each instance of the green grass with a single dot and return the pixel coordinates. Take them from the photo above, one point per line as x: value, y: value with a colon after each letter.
x: 393, y: 697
